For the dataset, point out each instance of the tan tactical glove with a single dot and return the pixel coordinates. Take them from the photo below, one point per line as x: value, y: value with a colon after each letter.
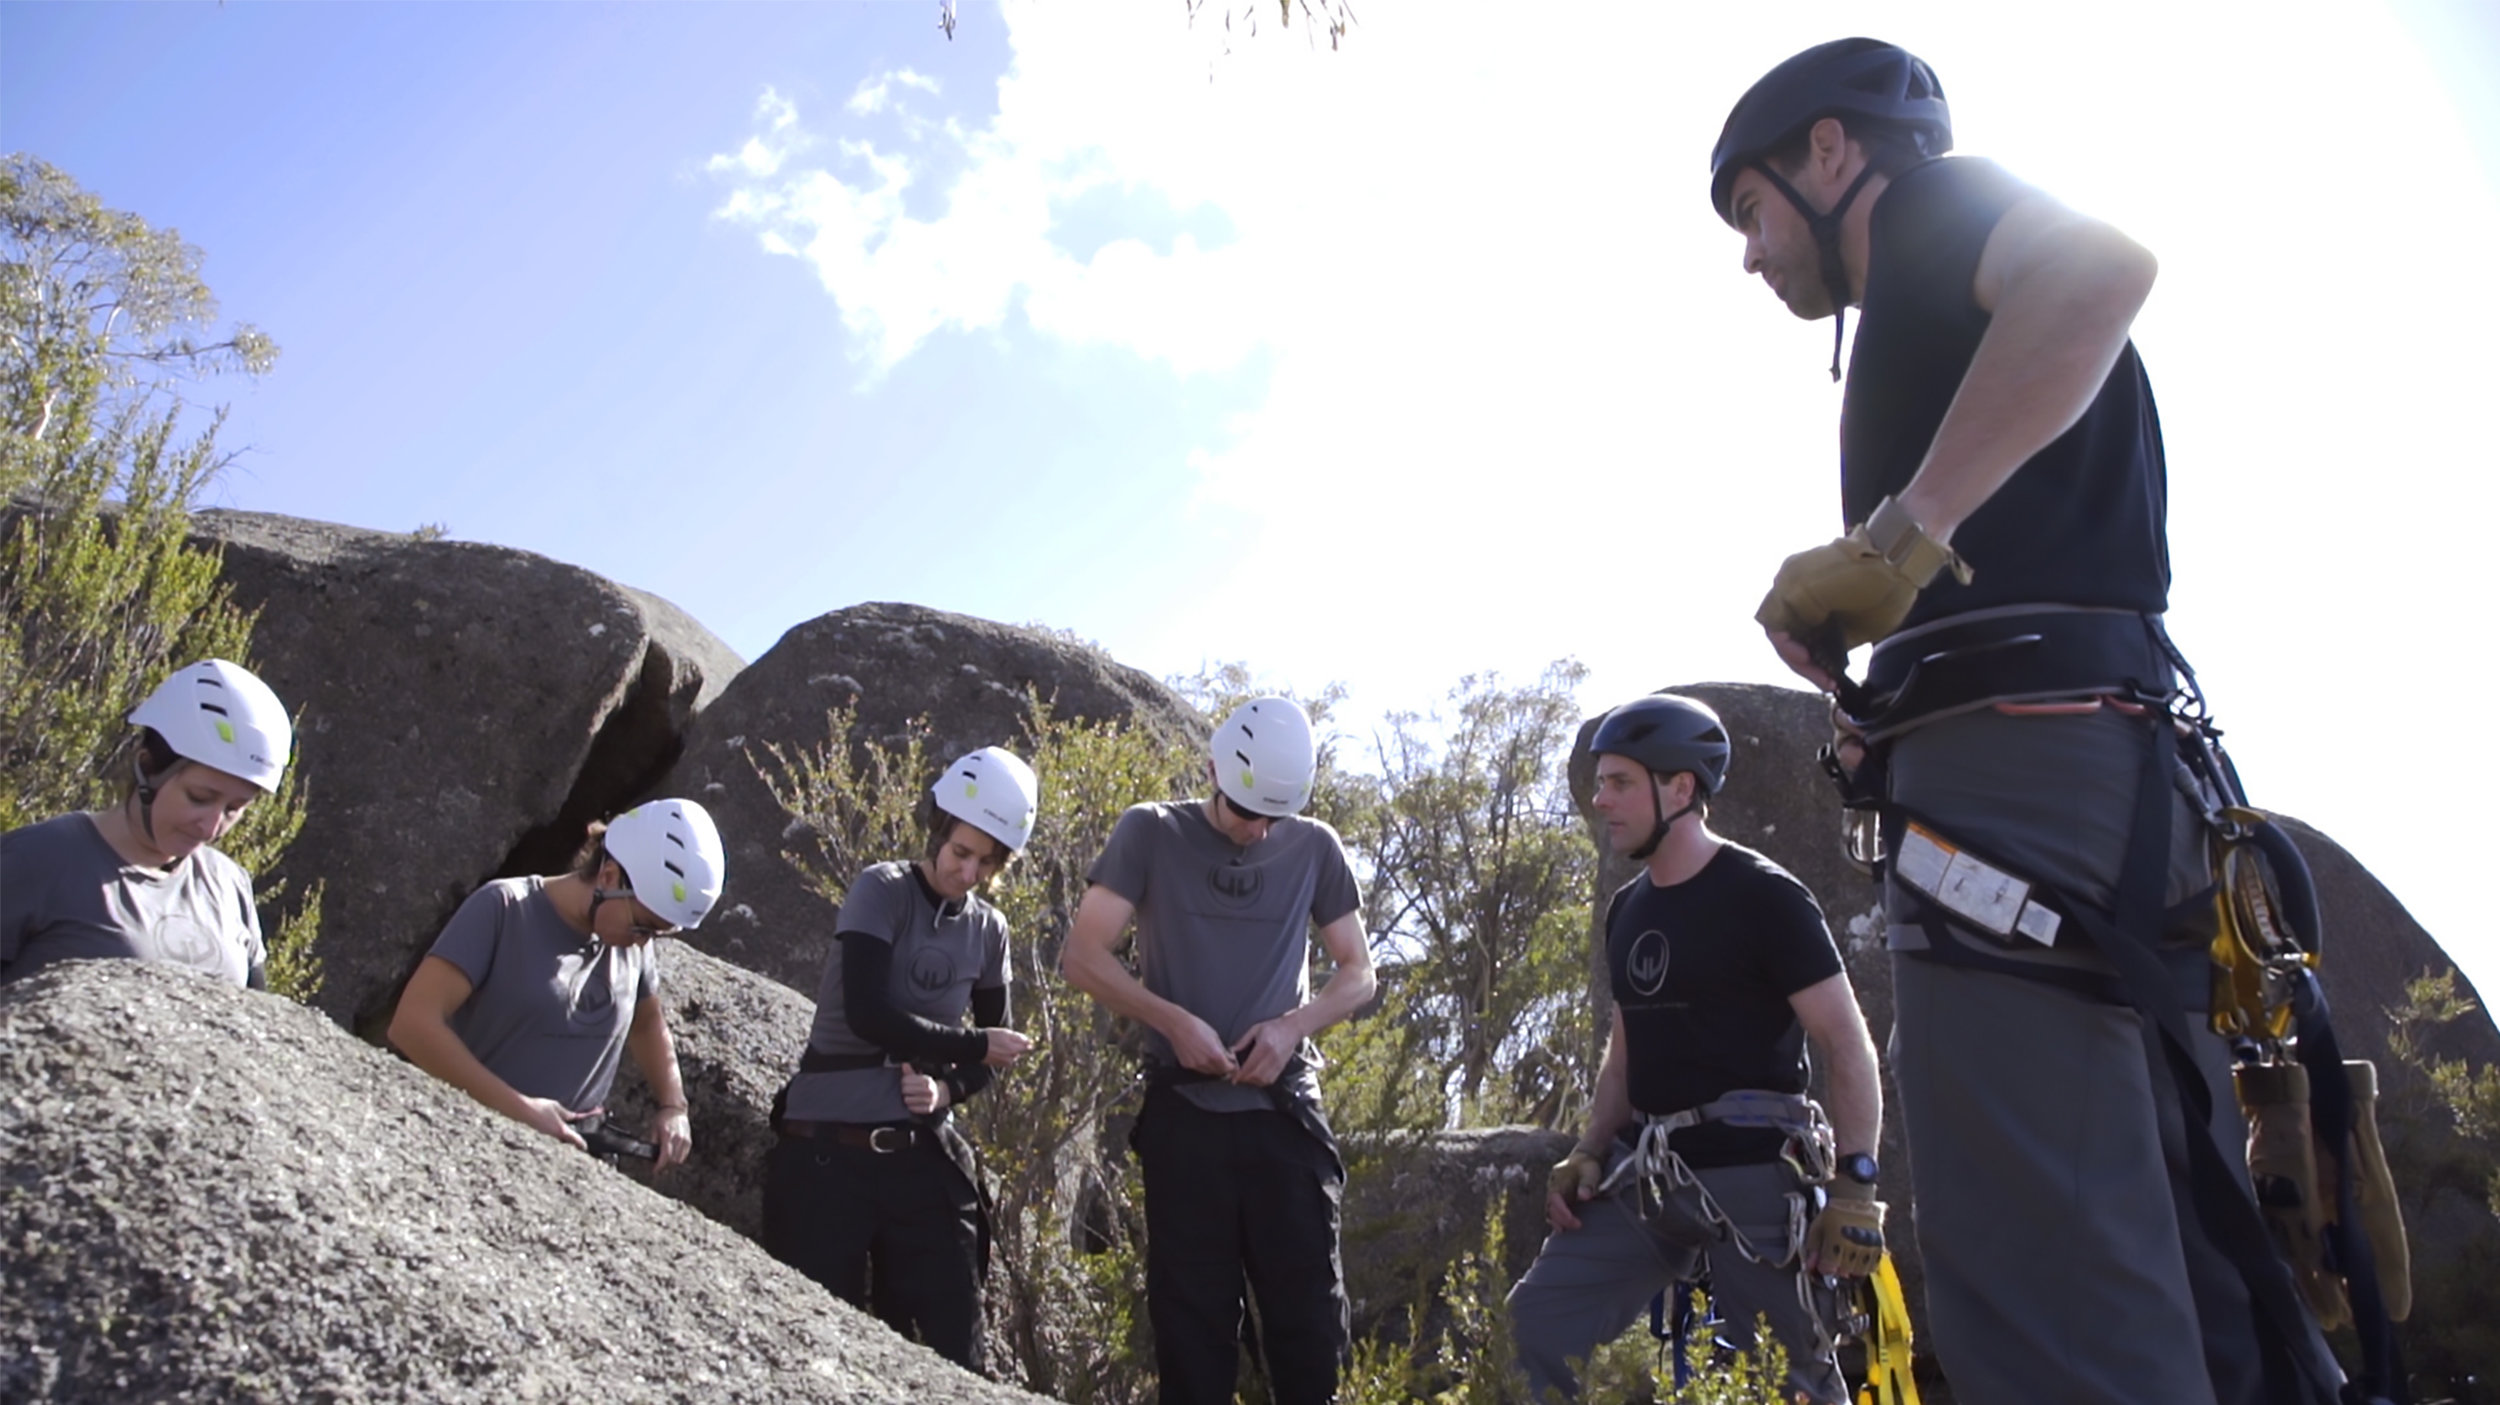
x: 1847, y: 1239
x: 1576, y: 1177
x: 1858, y: 589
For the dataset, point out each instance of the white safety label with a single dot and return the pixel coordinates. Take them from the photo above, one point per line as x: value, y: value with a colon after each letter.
x: 1978, y: 892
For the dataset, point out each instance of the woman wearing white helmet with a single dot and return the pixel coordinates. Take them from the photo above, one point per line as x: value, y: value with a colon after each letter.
x: 144, y: 879
x: 869, y: 1168
x: 539, y: 986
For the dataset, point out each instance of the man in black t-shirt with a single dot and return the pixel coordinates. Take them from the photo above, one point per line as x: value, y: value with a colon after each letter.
x: 2005, y: 490
x: 1699, y: 1127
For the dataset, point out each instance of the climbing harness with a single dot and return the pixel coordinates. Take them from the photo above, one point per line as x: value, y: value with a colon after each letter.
x: 2256, y: 975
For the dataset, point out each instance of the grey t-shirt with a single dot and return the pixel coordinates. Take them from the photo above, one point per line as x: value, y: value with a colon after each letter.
x: 939, y: 960
x: 1224, y: 931
x: 66, y: 894
x: 550, y: 1007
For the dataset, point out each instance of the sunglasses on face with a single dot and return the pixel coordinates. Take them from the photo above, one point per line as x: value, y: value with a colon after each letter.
x: 643, y: 930
x: 1244, y: 813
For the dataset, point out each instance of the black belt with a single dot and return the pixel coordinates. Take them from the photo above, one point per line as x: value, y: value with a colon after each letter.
x: 813, y: 1061
x: 883, y: 1138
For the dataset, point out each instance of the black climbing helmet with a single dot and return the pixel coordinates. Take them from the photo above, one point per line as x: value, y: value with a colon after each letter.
x: 1862, y: 78
x: 1667, y: 734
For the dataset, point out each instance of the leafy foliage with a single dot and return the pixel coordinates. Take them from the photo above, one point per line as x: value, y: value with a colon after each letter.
x: 104, y: 322
x: 1480, y: 875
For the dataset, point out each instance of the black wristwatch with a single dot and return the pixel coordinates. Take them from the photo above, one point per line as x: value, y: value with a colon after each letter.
x: 1859, y: 1167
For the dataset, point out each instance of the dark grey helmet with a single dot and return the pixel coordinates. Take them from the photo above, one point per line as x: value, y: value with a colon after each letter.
x: 1847, y: 78
x: 1667, y: 733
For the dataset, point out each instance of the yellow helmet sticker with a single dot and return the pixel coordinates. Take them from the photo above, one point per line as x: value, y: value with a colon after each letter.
x: 225, y: 731
x: 679, y: 889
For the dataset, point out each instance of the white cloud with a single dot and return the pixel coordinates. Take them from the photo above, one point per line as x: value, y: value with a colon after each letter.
x: 875, y: 95
x: 763, y: 154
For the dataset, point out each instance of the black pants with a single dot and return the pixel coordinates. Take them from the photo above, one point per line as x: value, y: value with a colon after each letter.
x: 834, y: 1212
x: 1235, y: 1198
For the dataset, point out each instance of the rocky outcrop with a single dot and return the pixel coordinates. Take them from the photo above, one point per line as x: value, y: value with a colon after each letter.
x: 1419, y: 1205
x: 215, y: 1195
x: 896, y: 667
x: 465, y: 710
x: 1779, y: 802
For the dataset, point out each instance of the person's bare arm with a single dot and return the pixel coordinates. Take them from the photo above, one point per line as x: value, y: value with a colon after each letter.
x: 655, y: 1053
x: 1265, y: 1046
x: 1828, y: 1009
x: 1092, y: 964
x: 421, y: 1029
x: 1610, y: 1110
x: 2062, y: 291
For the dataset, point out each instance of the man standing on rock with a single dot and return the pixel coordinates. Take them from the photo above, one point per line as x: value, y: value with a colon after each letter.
x: 1241, y: 1171
x: 1701, y: 1141
x: 2003, y: 478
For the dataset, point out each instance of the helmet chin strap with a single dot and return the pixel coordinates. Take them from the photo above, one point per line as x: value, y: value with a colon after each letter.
x: 1658, y: 834
x: 1826, y: 230
x: 144, y: 791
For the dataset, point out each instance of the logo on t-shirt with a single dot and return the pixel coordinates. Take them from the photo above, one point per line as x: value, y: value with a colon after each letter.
x: 1645, y: 965
x: 932, y: 970
x: 1235, y: 885
x: 186, y: 942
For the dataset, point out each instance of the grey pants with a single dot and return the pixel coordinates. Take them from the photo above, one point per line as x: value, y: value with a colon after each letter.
x: 1588, y: 1285
x: 2063, y: 1258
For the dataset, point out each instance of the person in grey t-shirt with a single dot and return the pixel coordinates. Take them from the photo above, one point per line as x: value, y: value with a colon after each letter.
x: 144, y: 880
x: 537, y: 988
x: 868, y: 1172
x: 1241, y: 1171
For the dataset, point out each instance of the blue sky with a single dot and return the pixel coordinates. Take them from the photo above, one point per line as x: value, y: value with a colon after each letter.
x: 1389, y: 365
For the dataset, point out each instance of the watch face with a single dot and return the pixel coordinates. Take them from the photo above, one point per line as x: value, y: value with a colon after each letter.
x: 1859, y: 1168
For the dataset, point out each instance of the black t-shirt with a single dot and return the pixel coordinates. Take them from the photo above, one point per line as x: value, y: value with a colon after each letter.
x: 1703, y: 971
x: 2082, y: 523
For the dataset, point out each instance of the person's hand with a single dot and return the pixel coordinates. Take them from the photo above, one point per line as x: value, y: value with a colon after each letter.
x: 554, y: 1119
x: 1847, y: 1240
x: 1573, y: 1181
x: 922, y: 1094
x: 1848, y: 741
x: 1832, y: 598
x: 673, y: 1133
x: 1264, y: 1051
x: 1195, y: 1045
x: 1006, y: 1046
x: 1800, y: 660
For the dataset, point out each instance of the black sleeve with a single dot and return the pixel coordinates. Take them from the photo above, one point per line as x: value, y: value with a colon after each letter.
x: 867, y: 964
x: 989, y: 1009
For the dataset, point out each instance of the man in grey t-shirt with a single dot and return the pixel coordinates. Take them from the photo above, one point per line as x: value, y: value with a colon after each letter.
x: 1241, y: 1172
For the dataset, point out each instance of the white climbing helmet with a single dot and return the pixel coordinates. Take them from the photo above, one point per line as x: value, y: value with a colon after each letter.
x: 672, y: 858
x: 1264, y: 758
x: 993, y: 791
x: 218, y: 714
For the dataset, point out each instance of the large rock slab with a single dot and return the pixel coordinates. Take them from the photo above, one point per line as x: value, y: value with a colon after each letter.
x: 465, y: 710
x: 213, y: 1194
x: 897, y: 667
x: 1778, y: 801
